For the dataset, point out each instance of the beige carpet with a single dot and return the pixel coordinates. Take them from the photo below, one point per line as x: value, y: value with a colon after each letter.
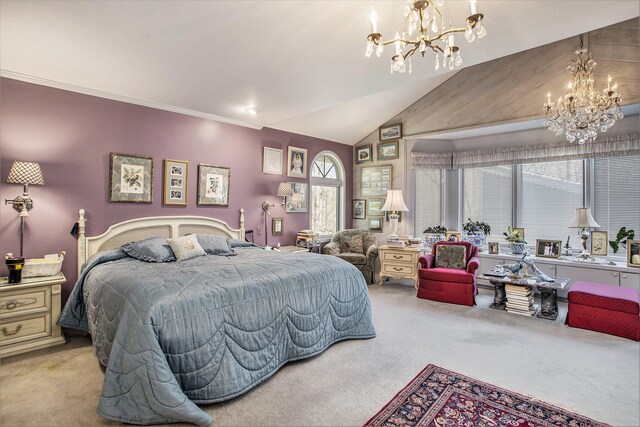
x: 593, y: 374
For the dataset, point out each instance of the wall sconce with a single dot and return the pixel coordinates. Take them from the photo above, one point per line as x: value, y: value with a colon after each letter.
x: 24, y: 173
x: 284, y: 190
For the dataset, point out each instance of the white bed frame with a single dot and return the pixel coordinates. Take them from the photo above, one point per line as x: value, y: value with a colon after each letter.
x: 143, y: 228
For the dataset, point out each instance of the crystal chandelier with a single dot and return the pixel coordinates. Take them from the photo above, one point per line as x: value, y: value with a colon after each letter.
x: 583, y: 111
x: 425, y: 17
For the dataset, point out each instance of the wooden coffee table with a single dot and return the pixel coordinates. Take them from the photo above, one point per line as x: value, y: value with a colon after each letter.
x: 548, y: 292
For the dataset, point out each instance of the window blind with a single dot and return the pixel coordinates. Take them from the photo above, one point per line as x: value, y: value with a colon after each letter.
x: 428, y: 200
x: 488, y: 196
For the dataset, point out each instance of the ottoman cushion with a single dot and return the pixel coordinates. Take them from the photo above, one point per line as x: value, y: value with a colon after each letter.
x: 612, y: 298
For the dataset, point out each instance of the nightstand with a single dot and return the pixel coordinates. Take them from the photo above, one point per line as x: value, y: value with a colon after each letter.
x: 29, y: 311
x: 292, y: 249
x: 399, y: 263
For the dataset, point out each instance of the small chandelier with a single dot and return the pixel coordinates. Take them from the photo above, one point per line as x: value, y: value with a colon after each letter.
x: 583, y: 111
x: 425, y: 17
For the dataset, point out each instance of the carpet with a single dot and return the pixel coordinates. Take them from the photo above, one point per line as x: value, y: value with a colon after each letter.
x: 438, y: 397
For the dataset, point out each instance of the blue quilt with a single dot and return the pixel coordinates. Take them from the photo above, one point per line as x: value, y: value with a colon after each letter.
x: 173, y: 335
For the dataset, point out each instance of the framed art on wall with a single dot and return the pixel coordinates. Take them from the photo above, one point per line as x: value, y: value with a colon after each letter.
x: 297, y: 202
x: 375, y: 224
x: 375, y: 180
x: 364, y: 154
x: 359, y: 209
x: 388, y: 150
x: 374, y: 206
x: 548, y: 248
x: 272, y: 161
x: 277, y: 226
x: 176, y: 174
x: 599, y: 243
x: 296, y: 162
x: 213, y: 185
x: 391, y: 133
x: 130, y: 178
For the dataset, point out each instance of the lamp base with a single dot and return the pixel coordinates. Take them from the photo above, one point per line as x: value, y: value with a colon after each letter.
x: 393, y: 222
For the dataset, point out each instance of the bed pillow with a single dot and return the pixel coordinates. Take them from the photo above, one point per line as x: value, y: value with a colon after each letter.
x: 186, y: 247
x: 213, y: 245
x: 352, y: 244
x: 451, y: 256
x: 155, y: 249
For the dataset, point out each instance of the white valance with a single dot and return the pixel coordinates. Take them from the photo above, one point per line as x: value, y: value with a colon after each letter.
x: 622, y: 145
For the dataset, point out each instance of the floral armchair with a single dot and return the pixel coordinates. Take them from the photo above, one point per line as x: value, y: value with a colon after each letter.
x: 358, y: 247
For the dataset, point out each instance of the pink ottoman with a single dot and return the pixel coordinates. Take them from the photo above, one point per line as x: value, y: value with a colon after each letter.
x: 603, y: 308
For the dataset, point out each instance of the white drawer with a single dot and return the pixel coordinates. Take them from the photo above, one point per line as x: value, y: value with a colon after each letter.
x: 408, y: 270
x: 25, y: 328
x: 400, y: 257
x: 22, y: 302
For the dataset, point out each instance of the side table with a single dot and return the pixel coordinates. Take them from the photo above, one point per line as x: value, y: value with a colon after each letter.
x: 29, y: 311
x: 399, y: 263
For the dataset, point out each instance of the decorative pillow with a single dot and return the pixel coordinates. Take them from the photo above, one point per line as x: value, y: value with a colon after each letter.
x: 352, y: 244
x: 213, y: 245
x: 451, y: 256
x: 155, y: 249
x: 186, y: 247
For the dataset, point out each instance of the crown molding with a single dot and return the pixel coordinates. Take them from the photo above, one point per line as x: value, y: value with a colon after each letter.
x: 120, y: 98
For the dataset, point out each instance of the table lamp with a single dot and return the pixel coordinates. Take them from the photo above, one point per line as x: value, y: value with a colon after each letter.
x: 584, y: 221
x: 394, y: 204
x: 284, y: 190
x: 24, y: 173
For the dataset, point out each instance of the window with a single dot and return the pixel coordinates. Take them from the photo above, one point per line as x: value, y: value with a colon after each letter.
x: 428, y: 200
x: 488, y: 197
x: 551, y: 193
x: 327, y: 206
x: 617, y: 194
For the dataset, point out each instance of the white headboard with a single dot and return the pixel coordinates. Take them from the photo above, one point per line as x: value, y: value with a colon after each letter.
x: 143, y: 228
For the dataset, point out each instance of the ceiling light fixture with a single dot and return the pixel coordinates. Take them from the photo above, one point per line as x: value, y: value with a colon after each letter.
x: 425, y: 17
x: 251, y: 110
x: 583, y: 111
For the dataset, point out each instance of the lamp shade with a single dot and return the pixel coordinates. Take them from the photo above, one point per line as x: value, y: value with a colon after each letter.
x: 284, y: 189
x: 25, y: 173
x: 584, y: 219
x: 394, y: 202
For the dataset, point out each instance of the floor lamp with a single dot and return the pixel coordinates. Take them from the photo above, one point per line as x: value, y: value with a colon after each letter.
x: 284, y: 190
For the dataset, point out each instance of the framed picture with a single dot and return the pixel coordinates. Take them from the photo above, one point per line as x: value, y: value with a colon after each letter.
x: 599, y: 243
x: 375, y: 180
x: 364, y: 154
x: 272, y: 161
x: 388, y: 150
x: 296, y: 162
x: 130, y: 179
x: 386, y: 215
x: 548, y: 248
x: 633, y: 253
x: 375, y: 224
x: 374, y: 206
x: 213, y: 185
x: 520, y: 231
x: 494, y: 248
x: 391, y: 133
x: 297, y: 202
x: 277, y: 226
x: 453, y: 236
x: 359, y: 209
x: 176, y: 174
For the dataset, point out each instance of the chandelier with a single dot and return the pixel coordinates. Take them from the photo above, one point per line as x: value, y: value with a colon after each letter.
x: 425, y: 17
x: 582, y: 112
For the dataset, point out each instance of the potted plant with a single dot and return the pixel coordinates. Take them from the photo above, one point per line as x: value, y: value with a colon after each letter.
x: 476, y: 232
x: 516, y: 242
x: 621, y: 239
x: 434, y: 234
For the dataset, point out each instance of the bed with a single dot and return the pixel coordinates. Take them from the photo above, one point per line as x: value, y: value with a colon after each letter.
x: 177, y: 334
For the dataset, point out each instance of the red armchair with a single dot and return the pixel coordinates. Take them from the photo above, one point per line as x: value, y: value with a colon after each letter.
x: 449, y: 284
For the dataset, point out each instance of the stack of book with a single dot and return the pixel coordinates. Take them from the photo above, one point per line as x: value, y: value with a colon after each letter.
x: 520, y: 300
x: 305, y: 238
x: 395, y: 243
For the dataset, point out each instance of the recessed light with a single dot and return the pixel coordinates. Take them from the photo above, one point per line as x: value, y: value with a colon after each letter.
x: 251, y: 110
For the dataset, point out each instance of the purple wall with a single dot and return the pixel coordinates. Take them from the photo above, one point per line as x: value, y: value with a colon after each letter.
x: 71, y: 136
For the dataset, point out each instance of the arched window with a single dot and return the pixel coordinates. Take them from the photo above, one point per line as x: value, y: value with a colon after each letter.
x: 327, y: 194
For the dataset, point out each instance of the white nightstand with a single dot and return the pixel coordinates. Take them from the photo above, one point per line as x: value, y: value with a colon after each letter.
x: 399, y: 263
x: 293, y: 249
x: 29, y: 311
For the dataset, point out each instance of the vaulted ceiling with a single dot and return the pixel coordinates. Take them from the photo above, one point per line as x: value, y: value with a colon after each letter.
x: 301, y: 63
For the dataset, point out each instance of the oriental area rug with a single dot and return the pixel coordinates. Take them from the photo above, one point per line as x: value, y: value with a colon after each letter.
x: 438, y: 397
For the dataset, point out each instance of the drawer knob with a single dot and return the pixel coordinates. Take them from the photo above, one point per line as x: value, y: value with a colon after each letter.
x: 397, y: 257
x: 614, y: 274
x: 397, y: 268
x: 6, y: 333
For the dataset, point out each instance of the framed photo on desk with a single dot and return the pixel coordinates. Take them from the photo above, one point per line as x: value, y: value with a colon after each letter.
x: 548, y: 248
x: 599, y: 243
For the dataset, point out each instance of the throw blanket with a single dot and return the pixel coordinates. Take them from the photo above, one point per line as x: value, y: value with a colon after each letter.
x: 174, y: 335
